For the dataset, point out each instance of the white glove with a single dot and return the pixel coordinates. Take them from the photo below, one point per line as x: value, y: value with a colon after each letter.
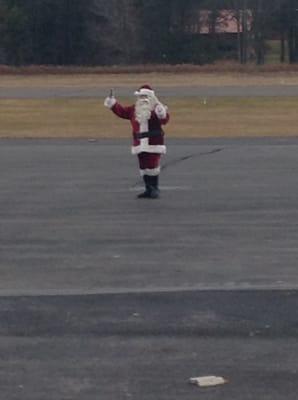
x: 161, y: 111
x: 109, y: 102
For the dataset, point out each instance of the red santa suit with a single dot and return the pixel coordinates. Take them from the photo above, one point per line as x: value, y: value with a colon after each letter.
x: 147, y: 135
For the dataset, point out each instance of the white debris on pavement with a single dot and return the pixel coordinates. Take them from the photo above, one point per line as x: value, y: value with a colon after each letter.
x: 206, y: 381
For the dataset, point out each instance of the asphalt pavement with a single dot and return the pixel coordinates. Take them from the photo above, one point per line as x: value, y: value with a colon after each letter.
x: 105, y: 296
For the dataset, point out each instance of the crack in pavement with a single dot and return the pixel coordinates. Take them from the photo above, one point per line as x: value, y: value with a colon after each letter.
x: 182, y: 159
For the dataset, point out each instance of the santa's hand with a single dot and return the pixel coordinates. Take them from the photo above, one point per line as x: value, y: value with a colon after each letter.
x: 109, y: 102
x: 160, y: 111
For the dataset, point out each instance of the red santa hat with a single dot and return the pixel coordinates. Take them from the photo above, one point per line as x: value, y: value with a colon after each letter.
x: 145, y: 90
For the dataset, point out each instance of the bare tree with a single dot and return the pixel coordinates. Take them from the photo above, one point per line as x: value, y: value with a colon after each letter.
x: 240, y: 9
x: 259, y: 26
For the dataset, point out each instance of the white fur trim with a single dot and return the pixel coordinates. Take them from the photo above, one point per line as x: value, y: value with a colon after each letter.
x: 150, y: 172
x: 144, y: 92
x: 144, y: 126
x: 161, y: 111
x: 149, y: 148
x: 110, y: 102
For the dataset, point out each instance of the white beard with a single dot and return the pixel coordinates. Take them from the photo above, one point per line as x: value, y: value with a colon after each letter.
x: 143, y: 110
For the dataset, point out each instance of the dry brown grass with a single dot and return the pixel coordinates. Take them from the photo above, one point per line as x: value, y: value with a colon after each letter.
x: 236, y: 117
x: 87, y: 118
x: 218, y: 67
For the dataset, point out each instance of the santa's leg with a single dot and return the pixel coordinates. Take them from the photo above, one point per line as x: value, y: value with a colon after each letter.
x: 154, y: 186
x: 147, y: 193
x: 149, y: 168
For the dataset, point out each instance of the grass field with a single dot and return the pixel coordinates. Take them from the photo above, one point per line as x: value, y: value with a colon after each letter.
x: 190, y: 117
x: 88, y: 118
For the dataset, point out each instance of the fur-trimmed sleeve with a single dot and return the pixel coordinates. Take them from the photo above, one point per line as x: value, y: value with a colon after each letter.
x: 122, y: 112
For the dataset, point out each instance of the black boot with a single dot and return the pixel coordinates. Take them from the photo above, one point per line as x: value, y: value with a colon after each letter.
x: 154, y: 192
x: 147, y: 193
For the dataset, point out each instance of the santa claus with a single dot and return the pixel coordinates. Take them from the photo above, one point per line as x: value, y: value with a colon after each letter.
x: 146, y: 116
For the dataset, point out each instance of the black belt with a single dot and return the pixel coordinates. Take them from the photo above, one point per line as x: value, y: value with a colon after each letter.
x: 147, y: 134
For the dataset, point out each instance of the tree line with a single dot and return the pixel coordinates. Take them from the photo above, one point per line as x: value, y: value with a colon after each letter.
x: 105, y: 32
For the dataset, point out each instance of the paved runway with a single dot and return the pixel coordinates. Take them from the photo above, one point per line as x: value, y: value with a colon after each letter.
x: 70, y: 221
x: 104, y: 296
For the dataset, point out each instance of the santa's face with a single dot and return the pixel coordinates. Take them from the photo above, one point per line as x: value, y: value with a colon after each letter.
x: 143, y: 99
x: 143, y: 108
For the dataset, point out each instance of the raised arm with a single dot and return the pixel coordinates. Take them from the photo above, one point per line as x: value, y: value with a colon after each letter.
x: 117, y: 108
x: 162, y: 113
